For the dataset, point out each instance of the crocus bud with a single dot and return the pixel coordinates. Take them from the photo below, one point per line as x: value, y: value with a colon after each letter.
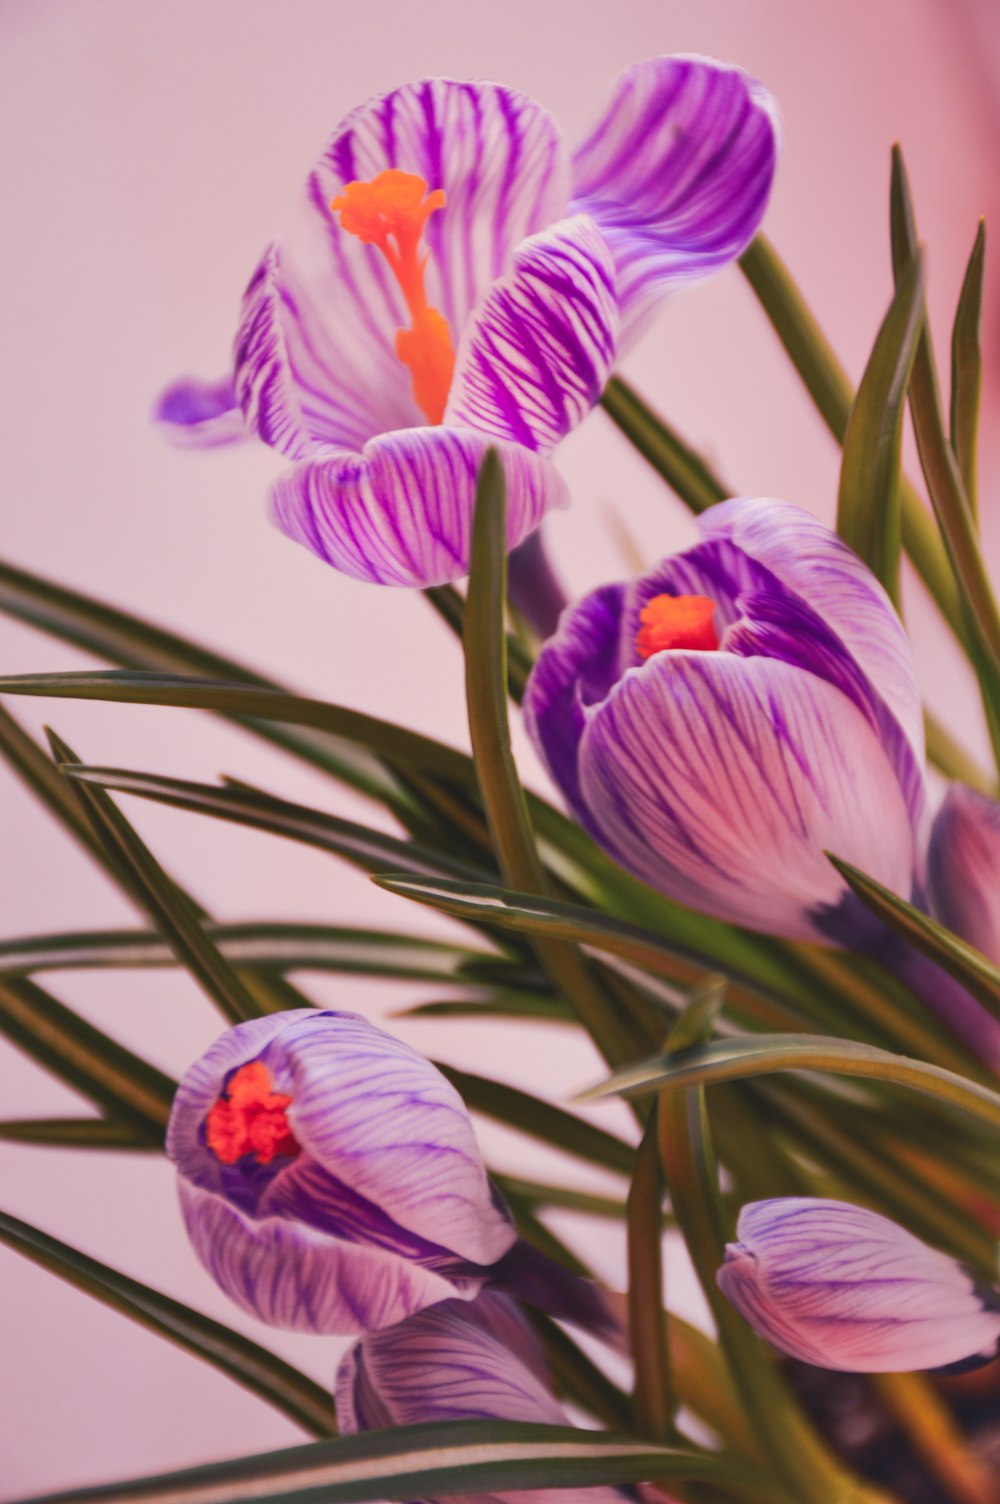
x: 844, y: 1288
x: 329, y: 1175
x: 459, y: 1360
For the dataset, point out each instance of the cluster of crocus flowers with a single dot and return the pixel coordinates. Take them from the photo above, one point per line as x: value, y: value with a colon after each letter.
x: 461, y: 281
x: 749, y: 705
x: 841, y: 1287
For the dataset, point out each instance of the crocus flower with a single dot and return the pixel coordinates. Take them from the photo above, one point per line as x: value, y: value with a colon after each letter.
x: 330, y: 1181
x: 722, y: 722
x: 963, y: 868
x: 844, y: 1288
x: 461, y: 281
x: 457, y: 1361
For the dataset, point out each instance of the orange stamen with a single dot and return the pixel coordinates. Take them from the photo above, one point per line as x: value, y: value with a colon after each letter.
x: 390, y: 212
x: 249, y: 1118
x: 677, y: 621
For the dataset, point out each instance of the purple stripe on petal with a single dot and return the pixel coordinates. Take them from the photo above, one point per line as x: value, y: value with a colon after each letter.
x: 536, y: 353
x: 677, y: 174
x: 723, y: 781
x: 401, y: 512
x: 195, y: 414
x: 497, y: 155
x: 845, y: 1288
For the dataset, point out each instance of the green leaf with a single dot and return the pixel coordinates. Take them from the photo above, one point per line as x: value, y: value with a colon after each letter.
x: 868, y: 517
x: 263, y: 1373
x: 443, y: 1459
x: 762, y: 1055
x: 278, y: 946
x: 530, y: 914
x: 831, y: 391
x: 542, y: 1006
x: 530, y: 1115
x: 503, y: 798
x: 450, y: 606
x: 967, y: 965
x: 170, y: 910
x: 562, y: 1197
x: 128, y: 1089
x: 76, y: 1133
x: 653, y: 1388
x: 683, y: 468
x: 367, y: 848
x: 967, y: 370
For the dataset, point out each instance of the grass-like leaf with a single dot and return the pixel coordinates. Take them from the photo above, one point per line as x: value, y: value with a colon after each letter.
x: 868, y: 503
x: 455, y: 1457
x: 967, y: 370
x: 256, y: 1369
x: 683, y: 468
x: 76, y: 1133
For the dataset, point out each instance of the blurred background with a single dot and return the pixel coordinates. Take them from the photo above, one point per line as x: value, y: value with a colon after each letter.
x: 149, y: 152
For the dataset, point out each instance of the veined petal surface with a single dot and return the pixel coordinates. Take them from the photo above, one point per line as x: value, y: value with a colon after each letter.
x: 536, y: 353
x: 722, y: 781
x: 400, y: 513
x: 963, y: 868
x: 677, y: 174
x: 842, y: 1287
x: 497, y: 155
x: 196, y: 414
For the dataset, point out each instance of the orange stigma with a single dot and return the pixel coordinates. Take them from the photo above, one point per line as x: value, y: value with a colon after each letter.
x: 249, y: 1118
x: 390, y: 212
x: 677, y: 621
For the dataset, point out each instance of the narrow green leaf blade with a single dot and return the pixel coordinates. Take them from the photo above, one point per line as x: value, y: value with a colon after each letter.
x: 868, y: 517
x: 967, y: 370
x: 963, y: 962
x: 683, y: 468
x: 439, y: 1460
x: 263, y: 1373
x: 76, y: 1133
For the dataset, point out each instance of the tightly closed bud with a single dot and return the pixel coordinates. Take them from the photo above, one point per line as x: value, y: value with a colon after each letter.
x: 844, y: 1288
x: 457, y: 1361
x: 329, y: 1175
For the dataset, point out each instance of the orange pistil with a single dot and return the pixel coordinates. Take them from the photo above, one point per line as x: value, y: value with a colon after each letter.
x: 249, y: 1118
x: 677, y: 621
x: 390, y: 212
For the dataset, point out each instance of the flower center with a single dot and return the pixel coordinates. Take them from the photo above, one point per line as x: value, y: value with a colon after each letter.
x: 249, y: 1118
x: 676, y: 621
x: 390, y: 212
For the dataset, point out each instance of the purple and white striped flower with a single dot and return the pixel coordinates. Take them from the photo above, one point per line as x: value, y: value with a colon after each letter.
x: 456, y: 1361
x: 461, y: 281
x: 844, y: 1288
x: 329, y: 1175
x: 963, y: 868
x: 721, y: 723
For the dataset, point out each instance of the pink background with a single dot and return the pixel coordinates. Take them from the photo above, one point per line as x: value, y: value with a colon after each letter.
x: 149, y: 152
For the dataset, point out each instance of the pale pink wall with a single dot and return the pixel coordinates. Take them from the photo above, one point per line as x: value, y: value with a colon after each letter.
x: 149, y: 152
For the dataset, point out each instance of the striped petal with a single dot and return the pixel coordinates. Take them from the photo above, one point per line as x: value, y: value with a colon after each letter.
x: 723, y: 781
x: 498, y: 157
x: 476, y: 1361
x: 294, y: 1277
x: 195, y: 414
x: 844, y: 1288
x: 812, y: 561
x: 536, y: 353
x: 963, y: 868
x: 677, y: 174
x: 400, y: 512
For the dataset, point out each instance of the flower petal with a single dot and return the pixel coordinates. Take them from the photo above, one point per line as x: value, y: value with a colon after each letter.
x: 963, y: 868
x: 196, y: 414
x: 400, y: 513
x: 818, y: 566
x: 723, y: 781
x: 302, y: 1280
x: 677, y: 174
x: 499, y: 158
x: 536, y: 353
x: 844, y: 1288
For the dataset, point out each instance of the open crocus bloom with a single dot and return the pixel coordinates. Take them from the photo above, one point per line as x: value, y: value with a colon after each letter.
x: 458, y: 1361
x: 462, y: 282
x: 329, y: 1175
x: 844, y: 1288
x: 722, y: 722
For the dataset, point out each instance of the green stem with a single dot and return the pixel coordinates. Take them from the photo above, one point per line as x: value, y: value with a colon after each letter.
x: 653, y: 1391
